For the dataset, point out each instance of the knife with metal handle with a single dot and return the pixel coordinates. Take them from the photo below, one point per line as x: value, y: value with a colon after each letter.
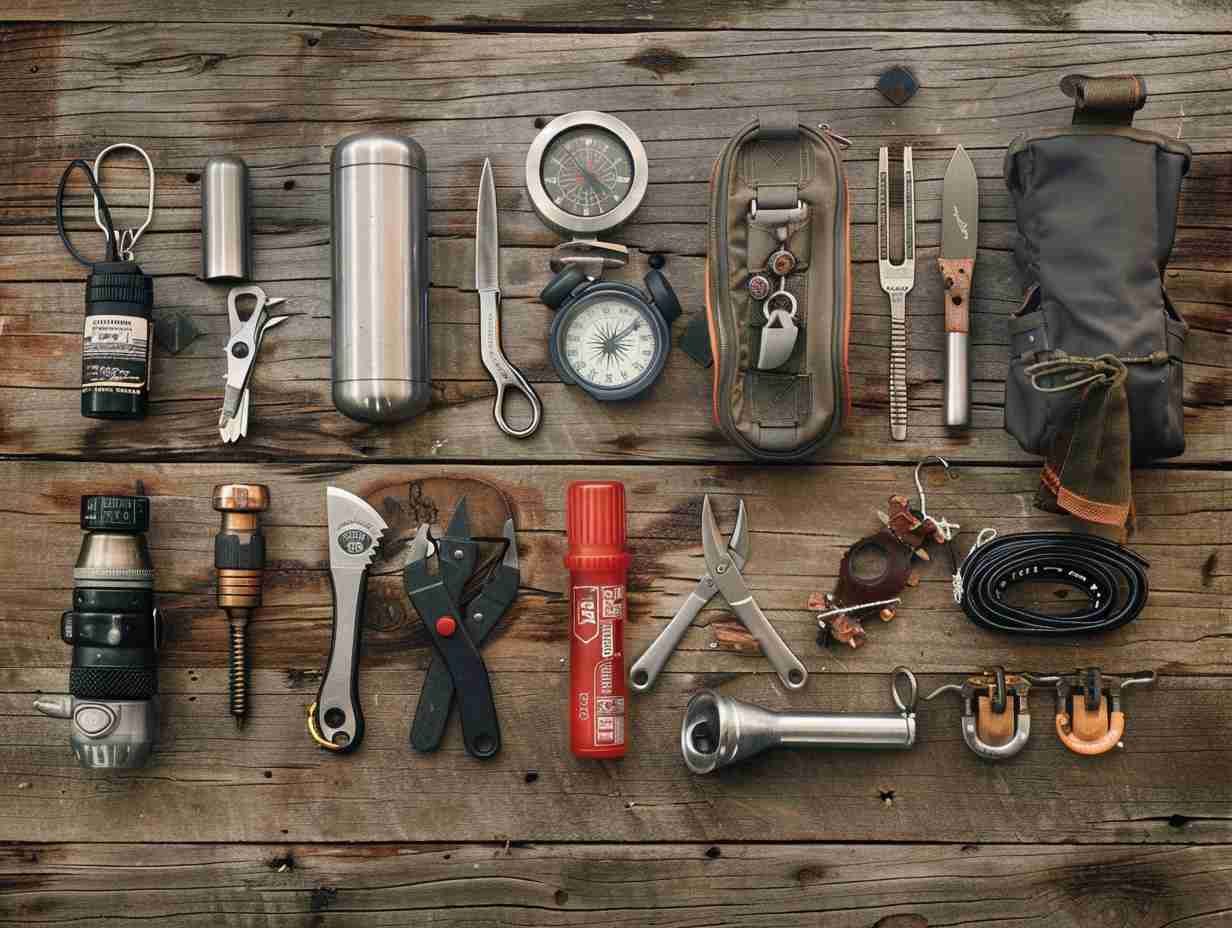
x: 335, y: 720
x: 487, y: 282
x: 960, y: 223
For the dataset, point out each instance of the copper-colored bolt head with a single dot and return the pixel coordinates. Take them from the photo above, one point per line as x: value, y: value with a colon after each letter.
x: 241, y: 497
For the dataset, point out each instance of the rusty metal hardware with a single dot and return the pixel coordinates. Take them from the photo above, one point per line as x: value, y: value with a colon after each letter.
x: 760, y: 287
x: 996, y: 720
x: 781, y: 263
x: 1089, y: 719
x: 239, y: 558
x: 878, y: 567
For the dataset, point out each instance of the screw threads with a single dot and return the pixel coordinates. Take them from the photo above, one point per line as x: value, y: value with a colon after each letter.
x: 239, y: 673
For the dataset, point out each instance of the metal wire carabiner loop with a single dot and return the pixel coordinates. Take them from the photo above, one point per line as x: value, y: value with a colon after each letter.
x: 907, y: 705
x: 946, y: 527
x: 125, y: 239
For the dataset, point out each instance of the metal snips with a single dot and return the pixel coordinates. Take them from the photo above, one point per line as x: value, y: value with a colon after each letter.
x: 241, y: 353
x: 724, y: 576
x: 897, y: 281
x: 487, y: 282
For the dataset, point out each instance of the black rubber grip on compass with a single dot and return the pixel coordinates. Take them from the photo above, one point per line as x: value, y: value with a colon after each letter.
x: 464, y: 666
x: 436, y: 698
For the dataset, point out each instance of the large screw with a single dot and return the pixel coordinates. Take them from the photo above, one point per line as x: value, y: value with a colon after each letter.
x: 239, y: 556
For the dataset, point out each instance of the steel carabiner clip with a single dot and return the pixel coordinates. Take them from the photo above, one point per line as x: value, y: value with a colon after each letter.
x: 125, y: 239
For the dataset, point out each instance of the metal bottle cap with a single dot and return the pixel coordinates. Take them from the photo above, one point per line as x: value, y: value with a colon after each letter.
x: 226, y: 237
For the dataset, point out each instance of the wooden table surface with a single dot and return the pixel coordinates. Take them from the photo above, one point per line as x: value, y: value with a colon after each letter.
x: 258, y: 827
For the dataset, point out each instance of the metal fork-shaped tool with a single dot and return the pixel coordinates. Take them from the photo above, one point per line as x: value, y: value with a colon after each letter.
x: 897, y: 281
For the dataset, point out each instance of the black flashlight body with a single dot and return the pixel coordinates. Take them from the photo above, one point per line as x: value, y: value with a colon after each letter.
x: 114, y: 631
x: 116, y: 342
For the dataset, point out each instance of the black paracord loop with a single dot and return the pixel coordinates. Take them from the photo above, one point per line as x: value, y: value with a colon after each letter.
x: 1111, y: 576
x: 112, y: 255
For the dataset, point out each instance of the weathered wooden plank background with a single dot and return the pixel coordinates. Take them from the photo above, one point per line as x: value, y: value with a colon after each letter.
x: 258, y: 827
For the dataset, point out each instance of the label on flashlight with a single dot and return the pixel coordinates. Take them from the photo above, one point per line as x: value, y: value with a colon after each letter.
x: 115, y: 353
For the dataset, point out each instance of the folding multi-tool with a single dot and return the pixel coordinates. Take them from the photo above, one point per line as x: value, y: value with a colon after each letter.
x: 241, y: 352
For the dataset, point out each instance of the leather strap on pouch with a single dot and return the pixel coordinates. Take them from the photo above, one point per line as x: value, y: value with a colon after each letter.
x: 1105, y: 101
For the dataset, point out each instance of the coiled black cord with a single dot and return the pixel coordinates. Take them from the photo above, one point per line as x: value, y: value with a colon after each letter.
x: 104, y: 210
x: 1111, y: 576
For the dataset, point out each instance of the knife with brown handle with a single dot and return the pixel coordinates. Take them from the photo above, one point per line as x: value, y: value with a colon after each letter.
x: 960, y: 223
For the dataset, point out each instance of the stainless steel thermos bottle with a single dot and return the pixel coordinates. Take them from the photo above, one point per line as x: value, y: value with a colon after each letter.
x: 379, y: 215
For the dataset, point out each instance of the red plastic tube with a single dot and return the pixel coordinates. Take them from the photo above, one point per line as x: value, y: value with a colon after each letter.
x: 598, y: 571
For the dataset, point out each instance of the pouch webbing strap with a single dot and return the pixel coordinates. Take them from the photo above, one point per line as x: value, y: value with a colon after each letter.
x: 775, y: 162
x: 1109, y: 101
x: 778, y: 124
x: 777, y: 196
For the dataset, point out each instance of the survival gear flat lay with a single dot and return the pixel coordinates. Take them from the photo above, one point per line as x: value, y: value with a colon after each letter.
x: 724, y: 577
x: 458, y: 627
x: 1096, y: 351
x: 335, y: 719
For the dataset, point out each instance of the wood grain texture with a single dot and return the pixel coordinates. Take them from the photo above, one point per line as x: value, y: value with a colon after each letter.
x: 641, y: 15
x: 801, y: 518
x: 656, y: 886
x: 259, y: 828
x: 189, y: 93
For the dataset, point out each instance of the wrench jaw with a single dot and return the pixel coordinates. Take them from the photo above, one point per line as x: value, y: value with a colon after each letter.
x: 335, y: 719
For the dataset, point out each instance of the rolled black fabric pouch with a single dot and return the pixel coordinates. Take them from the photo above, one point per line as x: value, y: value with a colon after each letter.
x: 1096, y: 351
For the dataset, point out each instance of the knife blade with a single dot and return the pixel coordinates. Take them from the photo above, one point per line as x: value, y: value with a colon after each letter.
x: 487, y: 240
x: 960, y: 224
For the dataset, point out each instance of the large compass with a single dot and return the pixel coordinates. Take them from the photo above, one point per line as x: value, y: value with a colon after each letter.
x: 586, y: 173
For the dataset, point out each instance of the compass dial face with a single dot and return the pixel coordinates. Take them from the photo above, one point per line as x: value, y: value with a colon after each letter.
x: 587, y: 171
x: 609, y: 342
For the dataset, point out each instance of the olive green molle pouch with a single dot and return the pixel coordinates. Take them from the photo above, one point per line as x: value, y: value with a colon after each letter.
x: 778, y: 288
x: 1096, y: 351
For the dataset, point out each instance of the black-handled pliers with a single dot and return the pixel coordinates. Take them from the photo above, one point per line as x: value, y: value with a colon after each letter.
x: 457, y: 628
